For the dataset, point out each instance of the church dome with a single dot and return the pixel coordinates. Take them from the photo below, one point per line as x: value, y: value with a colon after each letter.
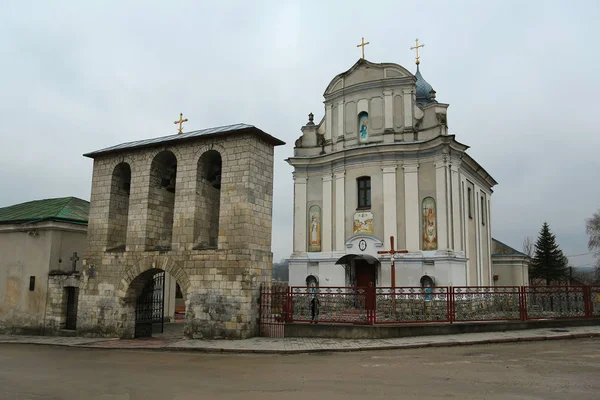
x: 425, y: 93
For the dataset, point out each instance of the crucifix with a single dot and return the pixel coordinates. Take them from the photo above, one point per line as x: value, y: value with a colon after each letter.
x: 180, y: 122
x: 416, y: 48
x: 363, y: 44
x: 74, y: 259
x: 392, y: 252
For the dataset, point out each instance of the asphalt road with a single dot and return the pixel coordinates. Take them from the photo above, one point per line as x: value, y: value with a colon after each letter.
x: 567, y: 369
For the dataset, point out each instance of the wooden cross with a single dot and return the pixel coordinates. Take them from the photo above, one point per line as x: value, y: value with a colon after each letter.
x: 416, y: 48
x: 363, y: 44
x: 392, y: 252
x: 180, y: 122
x: 74, y: 258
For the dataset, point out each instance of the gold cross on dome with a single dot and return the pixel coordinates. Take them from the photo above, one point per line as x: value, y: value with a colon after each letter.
x: 363, y: 44
x: 180, y: 122
x: 416, y: 48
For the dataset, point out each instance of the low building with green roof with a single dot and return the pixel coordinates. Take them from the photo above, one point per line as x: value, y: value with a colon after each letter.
x: 41, y: 243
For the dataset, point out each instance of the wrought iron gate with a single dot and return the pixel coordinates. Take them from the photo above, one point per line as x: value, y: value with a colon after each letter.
x: 149, y: 309
x: 273, y: 309
x: 71, y: 322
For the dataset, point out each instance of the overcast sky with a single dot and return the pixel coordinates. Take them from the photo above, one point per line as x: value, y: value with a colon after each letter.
x: 521, y: 79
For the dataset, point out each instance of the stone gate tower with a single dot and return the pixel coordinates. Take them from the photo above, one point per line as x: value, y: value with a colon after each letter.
x: 197, y: 205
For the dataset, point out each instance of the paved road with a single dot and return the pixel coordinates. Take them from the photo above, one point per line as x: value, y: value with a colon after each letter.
x: 543, y: 370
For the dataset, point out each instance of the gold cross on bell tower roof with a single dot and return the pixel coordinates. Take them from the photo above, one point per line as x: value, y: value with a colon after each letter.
x: 180, y: 122
x: 416, y: 48
x: 363, y: 44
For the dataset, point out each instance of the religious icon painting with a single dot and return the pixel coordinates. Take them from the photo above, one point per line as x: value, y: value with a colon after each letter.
x: 363, y: 127
x: 363, y: 222
x: 314, y: 229
x: 429, y: 224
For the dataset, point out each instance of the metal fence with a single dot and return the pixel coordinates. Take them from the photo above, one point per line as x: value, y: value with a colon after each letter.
x: 280, y: 304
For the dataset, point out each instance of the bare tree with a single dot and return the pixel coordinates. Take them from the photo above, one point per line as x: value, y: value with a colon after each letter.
x: 592, y: 227
x: 528, y: 246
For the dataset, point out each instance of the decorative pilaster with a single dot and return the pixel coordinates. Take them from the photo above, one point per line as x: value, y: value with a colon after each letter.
x: 326, y: 217
x: 457, y: 237
x: 340, y: 210
x: 407, y: 95
x: 389, y: 109
x: 390, y: 219
x: 300, y: 222
x: 328, y: 122
x: 441, y: 202
x: 412, y: 212
x: 340, y: 132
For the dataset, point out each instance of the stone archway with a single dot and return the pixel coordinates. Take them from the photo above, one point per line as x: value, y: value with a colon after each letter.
x: 137, y: 277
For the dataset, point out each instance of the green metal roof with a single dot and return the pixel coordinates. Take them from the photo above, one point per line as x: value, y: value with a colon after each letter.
x: 64, y: 209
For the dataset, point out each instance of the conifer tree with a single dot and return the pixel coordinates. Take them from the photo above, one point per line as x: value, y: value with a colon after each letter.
x: 549, y: 262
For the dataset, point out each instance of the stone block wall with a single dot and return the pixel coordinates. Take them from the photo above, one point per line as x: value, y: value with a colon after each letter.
x: 220, y: 285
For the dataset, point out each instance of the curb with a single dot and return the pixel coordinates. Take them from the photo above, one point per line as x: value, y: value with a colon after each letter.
x: 207, y: 350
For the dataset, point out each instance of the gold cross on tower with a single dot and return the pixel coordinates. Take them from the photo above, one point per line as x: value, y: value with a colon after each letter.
x: 363, y: 44
x: 180, y: 122
x: 416, y: 48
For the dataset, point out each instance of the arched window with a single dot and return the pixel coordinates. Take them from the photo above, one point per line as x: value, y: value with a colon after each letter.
x: 427, y: 281
x: 161, y: 201
x: 118, y: 210
x: 312, y: 282
x: 364, y: 192
x: 208, y: 200
x: 363, y: 127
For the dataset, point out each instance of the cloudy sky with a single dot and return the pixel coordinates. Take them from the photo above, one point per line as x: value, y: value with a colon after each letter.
x: 520, y: 77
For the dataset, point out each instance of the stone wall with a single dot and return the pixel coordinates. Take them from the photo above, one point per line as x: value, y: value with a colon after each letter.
x: 220, y: 285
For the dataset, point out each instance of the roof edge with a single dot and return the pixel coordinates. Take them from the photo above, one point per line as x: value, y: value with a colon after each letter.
x: 177, y: 138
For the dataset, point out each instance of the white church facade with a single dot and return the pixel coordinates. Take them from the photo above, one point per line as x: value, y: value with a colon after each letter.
x: 381, y: 163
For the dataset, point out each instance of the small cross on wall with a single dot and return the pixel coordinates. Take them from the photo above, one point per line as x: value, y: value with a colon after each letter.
x: 74, y: 259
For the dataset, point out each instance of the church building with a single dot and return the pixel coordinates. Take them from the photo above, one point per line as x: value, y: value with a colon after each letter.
x: 382, y: 164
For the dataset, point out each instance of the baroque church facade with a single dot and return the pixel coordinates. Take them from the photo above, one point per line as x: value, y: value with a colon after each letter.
x: 381, y: 163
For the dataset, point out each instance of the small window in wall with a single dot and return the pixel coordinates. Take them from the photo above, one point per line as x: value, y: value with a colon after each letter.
x: 482, y: 211
x: 469, y: 201
x: 364, y: 192
x: 31, y: 283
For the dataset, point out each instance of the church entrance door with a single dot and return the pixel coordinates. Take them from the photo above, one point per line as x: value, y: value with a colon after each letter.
x: 365, y: 279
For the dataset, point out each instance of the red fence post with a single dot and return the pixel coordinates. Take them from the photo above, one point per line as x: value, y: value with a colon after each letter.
x: 449, y: 301
x: 587, y: 299
x: 523, y: 305
x: 290, y: 305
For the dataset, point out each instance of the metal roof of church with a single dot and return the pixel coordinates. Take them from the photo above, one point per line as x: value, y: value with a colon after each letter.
x: 217, y: 131
x: 64, y: 209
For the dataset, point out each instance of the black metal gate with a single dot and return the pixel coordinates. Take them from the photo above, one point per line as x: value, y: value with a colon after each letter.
x: 273, y: 309
x: 71, y: 322
x: 149, y: 309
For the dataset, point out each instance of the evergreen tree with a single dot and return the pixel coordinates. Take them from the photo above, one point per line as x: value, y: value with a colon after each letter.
x: 549, y: 262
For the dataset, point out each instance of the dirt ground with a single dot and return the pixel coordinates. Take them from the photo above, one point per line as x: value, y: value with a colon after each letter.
x: 553, y: 369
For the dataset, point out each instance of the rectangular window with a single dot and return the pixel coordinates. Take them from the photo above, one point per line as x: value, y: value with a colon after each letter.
x: 364, y: 192
x: 31, y: 283
x: 469, y: 195
x: 482, y: 211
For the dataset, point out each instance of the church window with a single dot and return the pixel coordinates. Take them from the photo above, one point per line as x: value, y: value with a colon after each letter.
x: 118, y: 210
x: 482, y: 211
x: 469, y: 201
x: 364, y: 192
x: 161, y: 201
x: 208, y: 200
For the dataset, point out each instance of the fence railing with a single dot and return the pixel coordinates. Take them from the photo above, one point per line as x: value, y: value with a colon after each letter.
x: 386, y: 305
